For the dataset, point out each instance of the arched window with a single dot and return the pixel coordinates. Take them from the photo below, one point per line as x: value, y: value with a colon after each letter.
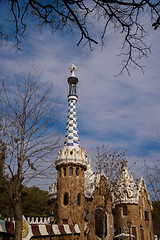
x: 146, y: 215
x: 100, y: 223
x: 79, y: 199
x: 142, y: 232
x: 86, y: 215
x: 65, y: 200
x: 125, y: 210
x: 140, y: 212
x: 70, y: 171
x: 64, y: 169
x: 77, y: 171
x: 134, y: 232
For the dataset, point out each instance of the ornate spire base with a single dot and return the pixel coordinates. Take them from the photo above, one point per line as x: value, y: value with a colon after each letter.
x: 69, y: 155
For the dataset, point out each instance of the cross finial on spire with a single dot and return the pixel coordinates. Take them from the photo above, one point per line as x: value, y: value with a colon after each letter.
x: 72, y: 70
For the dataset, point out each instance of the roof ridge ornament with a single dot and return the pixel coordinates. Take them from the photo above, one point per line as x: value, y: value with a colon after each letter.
x: 124, y: 163
x: 73, y: 69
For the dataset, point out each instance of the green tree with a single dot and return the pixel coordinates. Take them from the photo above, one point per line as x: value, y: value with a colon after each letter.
x: 124, y: 17
x: 34, y: 202
x: 5, y: 204
x: 29, y: 134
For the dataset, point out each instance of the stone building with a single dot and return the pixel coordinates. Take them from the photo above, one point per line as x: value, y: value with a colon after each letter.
x: 132, y: 207
x: 85, y: 203
x: 83, y: 197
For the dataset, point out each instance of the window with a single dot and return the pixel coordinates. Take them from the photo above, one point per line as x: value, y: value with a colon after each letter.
x: 70, y: 171
x: 100, y: 191
x: 77, y: 171
x: 64, y: 221
x: 125, y: 210
x: 86, y: 215
x: 79, y: 199
x: 142, y: 232
x: 146, y: 215
x: 150, y: 235
x: 134, y: 232
x: 140, y: 212
x: 64, y: 169
x: 71, y: 152
x: 66, y: 199
x: 100, y: 223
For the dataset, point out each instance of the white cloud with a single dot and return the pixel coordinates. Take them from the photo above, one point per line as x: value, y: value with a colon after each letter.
x: 122, y: 111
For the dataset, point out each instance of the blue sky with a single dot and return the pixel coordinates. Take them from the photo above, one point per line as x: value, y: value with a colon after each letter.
x: 120, y: 112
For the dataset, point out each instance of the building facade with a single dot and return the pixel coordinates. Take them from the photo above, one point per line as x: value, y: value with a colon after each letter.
x: 132, y: 207
x: 86, y: 205
x: 83, y: 197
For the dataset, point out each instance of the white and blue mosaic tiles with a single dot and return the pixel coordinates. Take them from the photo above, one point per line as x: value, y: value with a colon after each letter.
x: 71, y: 137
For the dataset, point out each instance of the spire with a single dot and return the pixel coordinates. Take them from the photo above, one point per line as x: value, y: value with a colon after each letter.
x: 71, y: 152
x: 126, y: 189
x: 124, y: 164
x: 71, y: 137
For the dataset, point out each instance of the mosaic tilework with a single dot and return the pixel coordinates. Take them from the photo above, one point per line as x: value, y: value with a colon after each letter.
x: 71, y: 137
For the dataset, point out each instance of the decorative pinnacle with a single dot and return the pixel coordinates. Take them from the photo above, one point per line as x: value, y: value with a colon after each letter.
x: 72, y: 70
x: 124, y: 163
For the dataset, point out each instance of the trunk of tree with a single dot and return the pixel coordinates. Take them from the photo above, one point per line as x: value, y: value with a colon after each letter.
x: 17, y: 209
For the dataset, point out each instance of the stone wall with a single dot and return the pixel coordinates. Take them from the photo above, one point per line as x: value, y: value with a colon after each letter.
x: 69, y: 206
x: 102, y: 202
x: 135, y: 219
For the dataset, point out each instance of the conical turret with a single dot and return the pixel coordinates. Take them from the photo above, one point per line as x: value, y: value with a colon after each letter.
x: 126, y: 190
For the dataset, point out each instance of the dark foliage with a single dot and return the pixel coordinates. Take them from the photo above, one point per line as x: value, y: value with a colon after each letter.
x: 156, y: 217
x: 34, y: 203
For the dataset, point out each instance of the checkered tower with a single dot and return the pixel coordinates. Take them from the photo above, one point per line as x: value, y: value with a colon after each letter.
x: 71, y: 165
x: 71, y: 152
x: 71, y: 137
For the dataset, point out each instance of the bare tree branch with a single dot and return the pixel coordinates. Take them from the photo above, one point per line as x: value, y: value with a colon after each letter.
x: 123, y: 15
x: 29, y: 135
